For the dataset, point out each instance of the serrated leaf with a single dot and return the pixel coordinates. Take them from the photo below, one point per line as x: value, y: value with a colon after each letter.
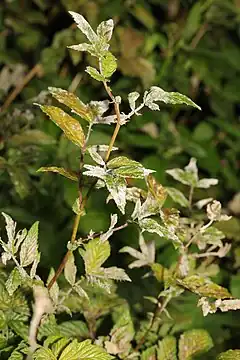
x: 194, y: 342
x: 79, y: 290
x: 82, y: 47
x: 229, y: 355
x: 204, y: 287
x: 70, y: 126
x: 122, y: 161
x: 84, y: 26
x: 19, y: 352
x: 157, y: 94
x: 132, y: 98
x: 95, y: 171
x: 84, y: 351
x: 10, y: 228
x: 113, y: 273
x: 94, y: 73
x: 96, y: 253
x: 167, y: 349
x: 43, y: 354
x: 188, y: 176
x: 29, y: 247
x: 73, y: 102
x: 59, y: 170
x: 34, y: 266
x: 70, y: 270
x: 177, y: 196
x: 14, y: 281
x: 153, y: 226
x: 133, y: 172
x: 109, y: 64
x: 105, y: 30
x: 74, y: 328
x: 117, y: 187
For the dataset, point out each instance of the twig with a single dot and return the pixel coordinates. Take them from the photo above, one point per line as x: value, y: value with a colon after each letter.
x: 37, y: 69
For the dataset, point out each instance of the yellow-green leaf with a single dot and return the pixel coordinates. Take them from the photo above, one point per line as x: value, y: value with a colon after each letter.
x: 70, y: 126
x: 194, y: 342
x: 167, y: 349
x: 59, y: 170
x: 73, y: 102
x: 230, y: 355
x: 109, y: 65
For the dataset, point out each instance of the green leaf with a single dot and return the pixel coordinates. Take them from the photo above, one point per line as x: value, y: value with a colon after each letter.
x: 10, y: 229
x: 54, y: 291
x: 70, y: 126
x: 113, y: 273
x: 105, y: 30
x: 204, y: 287
x: 167, y: 349
x: 122, y: 161
x: 94, y: 73
x: 177, y: 196
x: 59, y: 170
x: 44, y: 354
x: 84, y: 26
x: 70, y: 270
x: 229, y: 355
x: 117, y: 187
x: 29, y: 247
x: 74, y: 328
x: 73, y: 102
x: 84, y: 351
x: 188, y: 176
x: 133, y: 172
x: 149, y: 354
x: 109, y: 64
x: 19, y: 352
x: 194, y: 342
x: 157, y: 94
x: 153, y: 226
x: 14, y: 281
x: 96, y: 253
x: 95, y: 156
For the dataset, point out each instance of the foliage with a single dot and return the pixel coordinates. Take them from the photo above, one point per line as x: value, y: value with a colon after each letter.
x: 156, y: 315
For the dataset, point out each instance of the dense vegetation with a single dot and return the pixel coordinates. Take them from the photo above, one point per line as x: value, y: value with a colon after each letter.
x: 189, y: 47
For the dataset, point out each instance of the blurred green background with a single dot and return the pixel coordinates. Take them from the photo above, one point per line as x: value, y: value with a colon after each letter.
x: 180, y: 45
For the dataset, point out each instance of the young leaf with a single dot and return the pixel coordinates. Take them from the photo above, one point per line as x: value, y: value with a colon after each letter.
x: 132, y: 98
x: 167, y: 349
x: 117, y: 187
x: 84, y: 351
x: 95, y: 171
x: 94, y: 73
x: 59, y: 170
x: 177, y: 196
x: 44, y: 354
x: 149, y: 354
x: 105, y: 236
x: 229, y: 355
x: 188, y: 176
x: 95, y: 156
x: 14, y: 281
x: 74, y: 328
x: 70, y: 270
x: 194, y: 342
x: 122, y: 161
x: 109, y: 64
x: 96, y: 253
x: 70, y: 126
x: 113, y: 273
x: 54, y: 291
x: 10, y: 228
x: 157, y: 94
x: 29, y: 248
x: 206, y: 183
x: 153, y: 226
x: 84, y: 26
x: 105, y: 30
x: 73, y: 102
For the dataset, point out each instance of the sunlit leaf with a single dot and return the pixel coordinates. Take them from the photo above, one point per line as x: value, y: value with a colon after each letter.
x: 167, y: 349
x: 194, y: 342
x: 84, y: 26
x: 29, y: 247
x: 105, y: 30
x: 94, y: 73
x: 70, y: 126
x: 96, y: 253
x: 229, y: 355
x: 72, y: 101
x: 109, y: 64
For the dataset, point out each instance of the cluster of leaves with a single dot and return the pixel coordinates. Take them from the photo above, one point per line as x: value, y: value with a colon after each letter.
x: 27, y: 146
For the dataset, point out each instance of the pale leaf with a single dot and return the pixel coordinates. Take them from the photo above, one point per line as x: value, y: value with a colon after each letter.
x: 70, y: 269
x: 84, y: 26
x: 29, y: 248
